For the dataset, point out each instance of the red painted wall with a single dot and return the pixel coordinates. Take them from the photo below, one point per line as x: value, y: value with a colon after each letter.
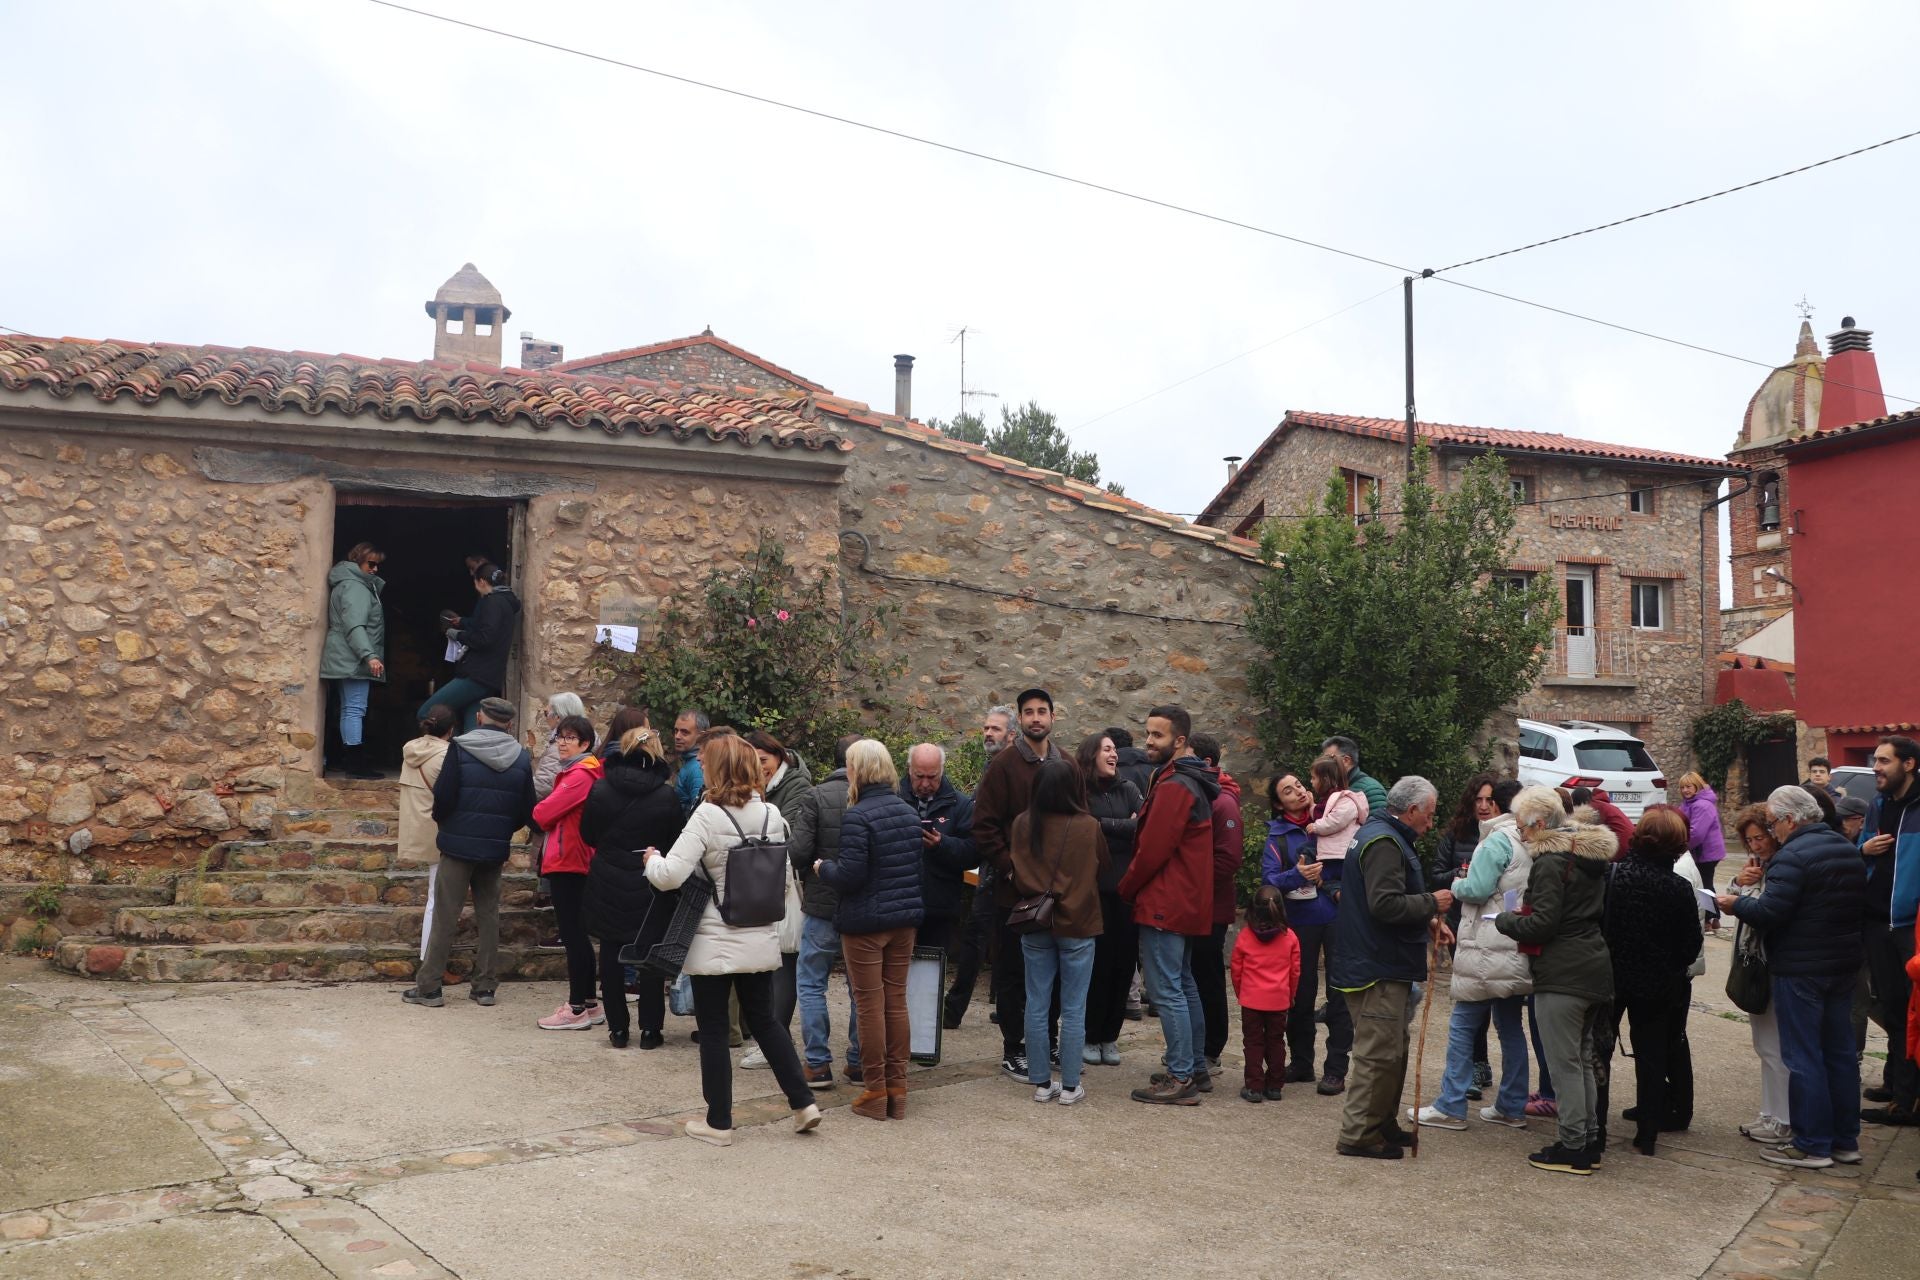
x: 1857, y: 614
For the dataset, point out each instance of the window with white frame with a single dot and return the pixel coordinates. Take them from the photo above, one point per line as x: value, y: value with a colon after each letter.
x: 1649, y: 606
x: 1640, y: 501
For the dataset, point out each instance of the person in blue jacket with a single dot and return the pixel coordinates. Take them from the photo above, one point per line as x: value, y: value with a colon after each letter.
x: 1312, y: 890
x: 1890, y: 842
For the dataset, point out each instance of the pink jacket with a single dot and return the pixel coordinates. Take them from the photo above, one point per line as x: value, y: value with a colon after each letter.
x: 1266, y: 973
x: 1340, y: 818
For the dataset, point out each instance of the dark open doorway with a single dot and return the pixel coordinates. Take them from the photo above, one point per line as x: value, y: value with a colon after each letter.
x: 427, y: 543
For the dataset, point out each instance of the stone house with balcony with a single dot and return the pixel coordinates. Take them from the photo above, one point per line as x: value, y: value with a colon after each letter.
x: 1627, y: 534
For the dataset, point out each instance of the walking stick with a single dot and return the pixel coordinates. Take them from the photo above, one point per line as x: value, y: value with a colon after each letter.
x: 1420, y: 1050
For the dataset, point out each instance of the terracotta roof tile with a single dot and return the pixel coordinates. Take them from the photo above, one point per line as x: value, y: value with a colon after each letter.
x: 588, y: 363
x: 1447, y: 435
x: 279, y: 381
x: 1893, y: 423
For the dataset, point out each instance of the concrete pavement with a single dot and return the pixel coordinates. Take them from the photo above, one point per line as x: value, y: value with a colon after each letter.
x: 302, y: 1131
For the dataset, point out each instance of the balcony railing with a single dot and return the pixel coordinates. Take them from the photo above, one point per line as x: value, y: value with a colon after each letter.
x: 1592, y: 653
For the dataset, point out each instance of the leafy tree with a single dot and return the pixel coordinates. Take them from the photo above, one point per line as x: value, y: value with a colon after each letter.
x: 1033, y: 436
x: 763, y: 647
x: 1401, y: 631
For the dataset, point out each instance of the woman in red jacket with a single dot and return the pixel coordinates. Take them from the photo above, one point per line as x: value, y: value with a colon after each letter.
x: 565, y: 860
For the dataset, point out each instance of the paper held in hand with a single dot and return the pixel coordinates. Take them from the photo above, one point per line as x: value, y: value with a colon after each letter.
x: 1508, y: 901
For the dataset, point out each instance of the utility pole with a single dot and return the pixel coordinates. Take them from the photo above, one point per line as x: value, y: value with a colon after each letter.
x: 1406, y: 291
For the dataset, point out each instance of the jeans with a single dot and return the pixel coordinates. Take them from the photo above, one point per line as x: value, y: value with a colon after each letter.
x: 1210, y: 979
x: 1047, y: 959
x: 877, y: 966
x: 1166, y: 962
x: 1467, y: 1027
x: 819, y: 945
x: 353, y: 710
x: 462, y: 696
x: 1816, y: 1039
x: 1567, y: 1026
x: 710, y: 1001
x: 452, y: 878
x: 1115, y: 953
x: 569, y: 889
x: 1316, y: 949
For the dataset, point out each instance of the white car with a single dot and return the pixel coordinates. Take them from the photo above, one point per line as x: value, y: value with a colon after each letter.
x: 1579, y: 753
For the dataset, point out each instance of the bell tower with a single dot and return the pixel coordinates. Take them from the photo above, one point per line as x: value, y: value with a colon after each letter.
x: 468, y: 316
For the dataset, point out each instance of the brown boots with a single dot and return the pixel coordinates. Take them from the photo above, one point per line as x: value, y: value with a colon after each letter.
x: 872, y: 1104
x: 896, y: 1104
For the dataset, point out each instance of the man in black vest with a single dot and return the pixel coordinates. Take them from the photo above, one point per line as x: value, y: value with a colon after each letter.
x: 483, y: 796
x: 1379, y: 952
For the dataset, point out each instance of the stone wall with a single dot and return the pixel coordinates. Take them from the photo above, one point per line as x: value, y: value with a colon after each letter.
x: 704, y: 364
x: 153, y: 689
x: 617, y: 555
x: 1004, y: 583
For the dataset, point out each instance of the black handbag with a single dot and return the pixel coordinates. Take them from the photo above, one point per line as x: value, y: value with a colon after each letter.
x: 1749, y: 985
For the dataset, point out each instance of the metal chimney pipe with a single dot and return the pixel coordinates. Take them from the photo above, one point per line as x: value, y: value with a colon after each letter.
x: 1233, y: 466
x: 903, y: 386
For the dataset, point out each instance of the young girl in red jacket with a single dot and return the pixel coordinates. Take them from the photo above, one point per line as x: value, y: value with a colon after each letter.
x: 1266, y: 970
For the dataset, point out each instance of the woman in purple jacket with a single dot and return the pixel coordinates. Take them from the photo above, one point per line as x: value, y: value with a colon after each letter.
x: 1704, y: 839
x: 1312, y: 889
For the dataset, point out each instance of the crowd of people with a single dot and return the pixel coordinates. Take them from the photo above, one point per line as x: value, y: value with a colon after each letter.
x: 1107, y: 881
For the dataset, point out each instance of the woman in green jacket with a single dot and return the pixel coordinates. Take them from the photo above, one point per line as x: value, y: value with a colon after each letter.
x: 355, y: 652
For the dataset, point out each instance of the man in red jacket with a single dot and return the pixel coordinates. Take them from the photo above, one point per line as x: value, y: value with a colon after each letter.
x: 1170, y: 885
x: 1210, y: 952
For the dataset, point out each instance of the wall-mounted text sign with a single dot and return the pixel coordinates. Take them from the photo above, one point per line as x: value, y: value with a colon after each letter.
x: 1612, y: 524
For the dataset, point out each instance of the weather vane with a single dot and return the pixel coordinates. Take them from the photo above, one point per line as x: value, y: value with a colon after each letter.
x: 1804, y: 307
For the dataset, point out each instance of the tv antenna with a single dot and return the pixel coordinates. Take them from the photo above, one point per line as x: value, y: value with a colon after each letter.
x: 960, y: 337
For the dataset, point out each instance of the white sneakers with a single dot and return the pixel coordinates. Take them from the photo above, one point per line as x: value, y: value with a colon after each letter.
x: 1070, y: 1096
x: 700, y: 1130
x: 1767, y: 1131
x: 1046, y: 1092
x: 1492, y: 1116
x: 1435, y: 1118
x: 753, y: 1060
x: 806, y: 1119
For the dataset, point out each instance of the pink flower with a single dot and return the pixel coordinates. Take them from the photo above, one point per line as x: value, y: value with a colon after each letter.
x: 753, y: 622
x: 783, y: 615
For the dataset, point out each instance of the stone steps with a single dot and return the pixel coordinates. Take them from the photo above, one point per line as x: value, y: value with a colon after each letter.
x: 307, y: 855
x: 285, y: 961
x: 347, y: 824
x: 368, y: 924
x: 397, y: 887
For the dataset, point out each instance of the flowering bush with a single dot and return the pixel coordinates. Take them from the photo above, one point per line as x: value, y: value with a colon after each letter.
x: 763, y: 647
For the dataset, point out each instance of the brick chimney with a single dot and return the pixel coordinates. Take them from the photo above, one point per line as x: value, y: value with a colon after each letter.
x: 903, y: 386
x: 538, y: 353
x: 1850, y: 390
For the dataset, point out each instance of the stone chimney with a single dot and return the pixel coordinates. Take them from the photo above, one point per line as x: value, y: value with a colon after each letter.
x: 1850, y: 388
x: 903, y: 386
x: 538, y: 353
x: 467, y: 318
x: 1233, y: 467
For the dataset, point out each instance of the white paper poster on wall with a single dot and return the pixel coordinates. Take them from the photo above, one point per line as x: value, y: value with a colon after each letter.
x: 625, y: 639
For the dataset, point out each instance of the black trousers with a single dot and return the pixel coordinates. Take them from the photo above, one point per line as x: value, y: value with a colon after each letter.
x: 1115, y: 953
x: 1888, y: 951
x: 569, y: 890
x: 969, y: 949
x: 1658, y: 1027
x: 1315, y: 943
x: 755, y: 992
x: 1009, y: 985
x: 786, y: 989
x: 613, y: 991
x: 1210, y: 976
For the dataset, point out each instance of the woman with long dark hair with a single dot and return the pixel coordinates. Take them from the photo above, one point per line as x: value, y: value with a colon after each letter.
x: 631, y: 809
x: 1456, y: 847
x: 1115, y: 801
x: 1058, y: 849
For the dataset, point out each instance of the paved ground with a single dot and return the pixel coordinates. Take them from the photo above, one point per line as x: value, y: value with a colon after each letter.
x: 305, y: 1131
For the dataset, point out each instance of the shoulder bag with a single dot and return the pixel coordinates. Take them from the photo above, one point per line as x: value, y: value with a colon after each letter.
x: 1033, y: 912
x: 1749, y: 984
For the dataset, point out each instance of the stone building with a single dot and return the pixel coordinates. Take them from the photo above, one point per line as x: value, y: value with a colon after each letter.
x: 171, y: 512
x: 1627, y: 535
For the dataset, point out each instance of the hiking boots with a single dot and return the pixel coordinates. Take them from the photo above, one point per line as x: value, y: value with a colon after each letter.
x: 1170, y: 1092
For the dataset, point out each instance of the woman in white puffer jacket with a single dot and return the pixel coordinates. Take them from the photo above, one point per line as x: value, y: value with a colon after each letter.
x: 1491, y: 979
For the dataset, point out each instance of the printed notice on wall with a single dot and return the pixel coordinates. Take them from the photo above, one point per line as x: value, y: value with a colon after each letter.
x: 625, y: 639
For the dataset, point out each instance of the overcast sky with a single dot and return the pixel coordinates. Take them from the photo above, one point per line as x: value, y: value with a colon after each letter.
x: 303, y: 175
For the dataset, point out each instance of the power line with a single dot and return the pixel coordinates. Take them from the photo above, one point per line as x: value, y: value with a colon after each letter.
x: 900, y: 134
x: 1657, y: 337
x: 1231, y: 359
x: 1714, y: 195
